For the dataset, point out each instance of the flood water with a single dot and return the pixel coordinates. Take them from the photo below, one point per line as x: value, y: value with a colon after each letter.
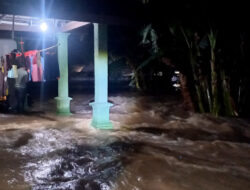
x: 155, y: 145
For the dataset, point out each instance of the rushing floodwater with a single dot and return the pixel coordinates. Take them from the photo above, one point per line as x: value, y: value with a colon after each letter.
x: 155, y: 145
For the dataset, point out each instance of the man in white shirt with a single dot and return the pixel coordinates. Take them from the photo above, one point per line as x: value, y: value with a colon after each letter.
x: 20, y: 87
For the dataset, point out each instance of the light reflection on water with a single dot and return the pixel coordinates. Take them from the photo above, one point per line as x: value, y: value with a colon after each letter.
x: 154, y: 145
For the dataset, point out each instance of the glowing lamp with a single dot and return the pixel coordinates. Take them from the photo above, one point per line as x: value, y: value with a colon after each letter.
x: 43, y: 26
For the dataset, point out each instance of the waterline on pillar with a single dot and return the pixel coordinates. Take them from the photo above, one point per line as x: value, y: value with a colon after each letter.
x: 101, y: 115
x: 63, y: 105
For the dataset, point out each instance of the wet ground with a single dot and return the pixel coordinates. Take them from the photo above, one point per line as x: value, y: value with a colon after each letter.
x: 155, y: 145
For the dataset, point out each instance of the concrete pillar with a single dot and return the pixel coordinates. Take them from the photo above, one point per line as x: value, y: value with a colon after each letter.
x: 63, y: 99
x: 101, y: 105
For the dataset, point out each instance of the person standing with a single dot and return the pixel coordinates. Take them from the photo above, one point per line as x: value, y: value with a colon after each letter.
x: 20, y: 87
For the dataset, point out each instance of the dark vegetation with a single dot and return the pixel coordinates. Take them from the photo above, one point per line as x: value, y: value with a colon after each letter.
x: 208, y: 48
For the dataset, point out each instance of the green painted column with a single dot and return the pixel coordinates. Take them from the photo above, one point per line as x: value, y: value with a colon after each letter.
x: 63, y: 99
x: 101, y: 105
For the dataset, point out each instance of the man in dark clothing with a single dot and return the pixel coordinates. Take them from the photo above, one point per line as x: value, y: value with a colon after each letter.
x: 20, y: 87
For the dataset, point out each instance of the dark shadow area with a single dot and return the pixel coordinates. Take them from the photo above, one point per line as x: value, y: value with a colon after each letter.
x: 196, y: 134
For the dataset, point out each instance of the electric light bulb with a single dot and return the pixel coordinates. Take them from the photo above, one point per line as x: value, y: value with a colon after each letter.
x: 44, y: 26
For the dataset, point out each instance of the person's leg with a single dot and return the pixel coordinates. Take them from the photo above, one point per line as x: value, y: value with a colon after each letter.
x: 17, y: 95
x: 22, y: 99
x: 12, y: 98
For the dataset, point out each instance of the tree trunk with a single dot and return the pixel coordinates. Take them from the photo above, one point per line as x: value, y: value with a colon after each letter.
x: 196, y: 83
x: 227, y: 99
x: 187, y: 100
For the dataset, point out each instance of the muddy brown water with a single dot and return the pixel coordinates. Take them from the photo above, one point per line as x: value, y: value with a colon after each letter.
x: 155, y: 144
